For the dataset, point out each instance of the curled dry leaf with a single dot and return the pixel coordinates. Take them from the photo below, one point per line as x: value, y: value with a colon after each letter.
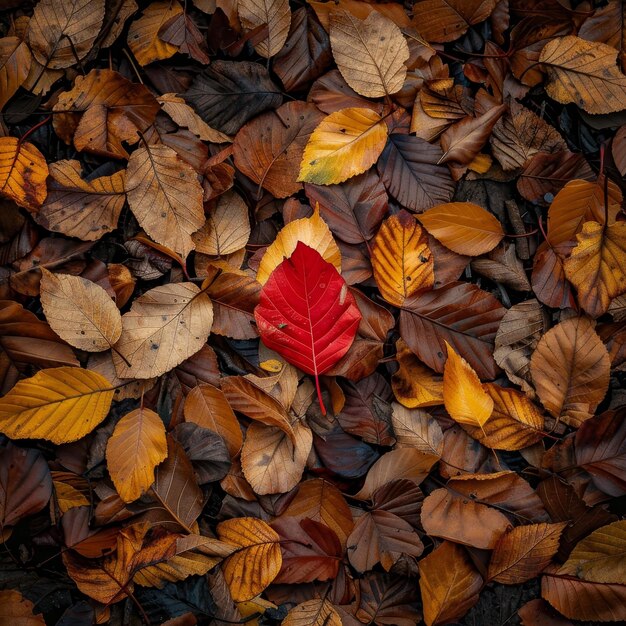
x: 570, y: 370
x: 165, y: 196
x: 85, y: 209
x: 60, y: 404
x: 584, y: 73
x: 312, y: 231
x: 164, y: 326
x: 464, y: 227
x: 257, y: 559
x: 346, y: 143
x: 79, y: 311
x: 449, y: 584
x: 23, y: 173
x: 369, y: 53
x: 276, y: 14
x: 135, y: 448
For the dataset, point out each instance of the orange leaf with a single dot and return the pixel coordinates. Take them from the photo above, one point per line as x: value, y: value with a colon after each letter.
x: 23, y: 173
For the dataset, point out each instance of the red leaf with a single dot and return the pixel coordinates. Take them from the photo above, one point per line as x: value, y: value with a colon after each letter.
x: 307, y: 314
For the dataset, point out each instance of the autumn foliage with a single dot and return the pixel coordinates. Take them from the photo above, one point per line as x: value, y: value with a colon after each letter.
x: 312, y: 313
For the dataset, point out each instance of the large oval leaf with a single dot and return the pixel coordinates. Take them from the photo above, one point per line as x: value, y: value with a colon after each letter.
x: 60, y: 404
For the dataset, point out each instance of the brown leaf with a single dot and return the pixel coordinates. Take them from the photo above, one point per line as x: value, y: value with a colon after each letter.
x: 449, y: 584
x: 548, y: 278
x: 15, y: 63
x: 277, y: 16
x: 16, y: 609
x: 502, y: 265
x: 570, y: 370
x: 317, y: 612
x: 414, y: 428
x: 185, y: 116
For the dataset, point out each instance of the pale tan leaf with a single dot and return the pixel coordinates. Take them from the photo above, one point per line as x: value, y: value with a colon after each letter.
x: 275, y: 13
x: 143, y: 34
x: 135, y: 448
x: 227, y: 227
x: 316, y: 612
x: 61, y: 32
x: 86, y: 209
x: 416, y: 429
x: 79, y: 311
x: 369, y: 53
x: 165, y: 196
x: 313, y: 231
x: 570, y: 370
x: 165, y: 326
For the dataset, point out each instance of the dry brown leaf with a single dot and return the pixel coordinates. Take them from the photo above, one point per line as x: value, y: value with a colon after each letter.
x: 316, y: 612
x: 346, y: 143
x: 369, y: 53
x: 524, y: 552
x: 15, y: 63
x: 164, y: 326
x: 276, y: 14
x: 17, y: 610
x: 143, y: 34
x: 584, y: 73
x: 62, y: 32
x: 570, y: 370
x: 137, y: 445
x: 312, y: 231
x: 401, y: 259
x: 86, y: 209
x: 185, y: 116
x: 449, y: 584
x: 226, y: 229
x: 416, y: 429
x: 502, y: 265
x: 165, y: 196
x: 597, y: 266
x: 79, y: 311
x: 257, y: 559
x: 23, y: 173
x: 271, y: 461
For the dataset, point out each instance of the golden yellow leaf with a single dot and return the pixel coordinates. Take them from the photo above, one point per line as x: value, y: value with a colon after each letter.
x: 570, y: 369
x: 369, y: 53
x: 23, y: 173
x: 346, y: 143
x: 185, y: 116
x: 165, y: 196
x: 81, y: 208
x: 227, y: 227
x: 137, y: 445
x: 60, y: 404
x: 464, y: 227
x: 597, y: 266
x: 68, y: 497
x: 143, y: 34
x: 275, y: 13
x: 61, y: 32
x: 316, y: 612
x: 415, y: 384
x: 464, y: 397
x: 584, y: 73
x: 15, y: 63
x: 313, y: 231
x: 79, y: 311
x: 258, y: 558
x: 165, y: 326
x: 401, y: 259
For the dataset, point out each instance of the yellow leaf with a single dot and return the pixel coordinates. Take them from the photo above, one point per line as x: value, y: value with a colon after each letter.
x: 584, y: 73
x: 79, y: 311
x: 258, y: 558
x: 464, y: 397
x: 597, y: 266
x: 165, y: 196
x: 312, y: 231
x: 23, y: 173
x: 227, y: 227
x: 464, y: 227
x: 143, y: 34
x: 369, y: 53
x: 68, y: 497
x: 86, y: 209
x: 401, y: 259
x: 165, y: 326
x: 570, y: 369
x: 138, y: 444
x: 273, y: 13
x: 61, y: 405
x: 346, y: 143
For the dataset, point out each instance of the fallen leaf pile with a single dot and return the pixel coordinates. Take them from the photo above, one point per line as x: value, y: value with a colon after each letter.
x: 312, y: 313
